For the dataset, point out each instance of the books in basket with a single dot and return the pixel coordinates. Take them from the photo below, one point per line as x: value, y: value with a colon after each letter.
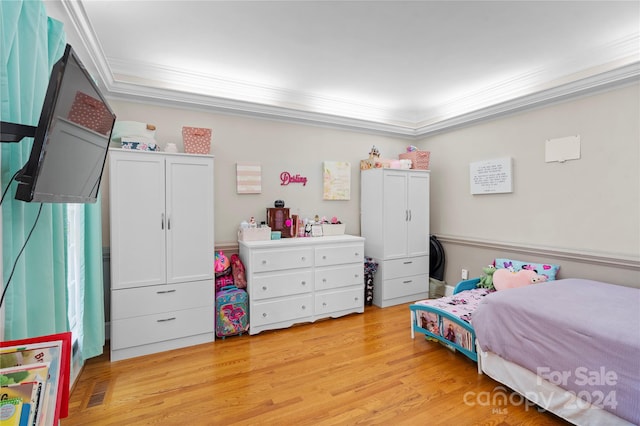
x: 36, y: 371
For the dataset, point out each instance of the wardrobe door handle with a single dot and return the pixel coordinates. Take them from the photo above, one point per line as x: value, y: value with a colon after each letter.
x: 162, y: 221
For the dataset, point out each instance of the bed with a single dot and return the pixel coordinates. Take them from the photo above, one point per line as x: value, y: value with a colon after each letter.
x: 570, y: 346
x: 448, y: 319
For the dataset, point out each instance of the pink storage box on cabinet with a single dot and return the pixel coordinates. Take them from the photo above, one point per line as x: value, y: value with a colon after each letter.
x: 419, y: 159
x: 196, y: 140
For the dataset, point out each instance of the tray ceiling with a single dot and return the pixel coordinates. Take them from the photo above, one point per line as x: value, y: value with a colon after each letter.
x: 400, y: 67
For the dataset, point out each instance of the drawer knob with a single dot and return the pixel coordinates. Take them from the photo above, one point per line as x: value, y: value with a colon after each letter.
x: 304, y: 283
x: 324, y: 303
x: 303, y: 258
x: 355, y: 298
x: 304, y: 307
x: 356, y: 275
x: 264, y: 314
x: 264, y: 287
x: 324, y: 257
x: 264, y: 262
x: 324, y: 280
x: 357, y: 254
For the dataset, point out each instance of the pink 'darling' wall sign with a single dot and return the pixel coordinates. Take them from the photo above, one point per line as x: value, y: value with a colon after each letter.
x: 286, y: 178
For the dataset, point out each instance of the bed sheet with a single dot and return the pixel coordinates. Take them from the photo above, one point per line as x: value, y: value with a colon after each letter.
x: 461, y: 305
x: 581, y: 335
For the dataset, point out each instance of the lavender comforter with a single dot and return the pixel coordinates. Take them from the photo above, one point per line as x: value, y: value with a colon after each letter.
x: 581, y: 335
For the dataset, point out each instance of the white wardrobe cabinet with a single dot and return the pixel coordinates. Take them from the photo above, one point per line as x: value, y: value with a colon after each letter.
x: 394, y: 221
x: 162, y: 251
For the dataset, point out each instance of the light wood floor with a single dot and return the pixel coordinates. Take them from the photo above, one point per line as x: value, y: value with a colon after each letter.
x: 358, y: 369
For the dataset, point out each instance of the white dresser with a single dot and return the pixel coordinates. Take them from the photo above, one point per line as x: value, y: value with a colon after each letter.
x: 394, y: 220
x: 297, y: 280
x: 162, y: 251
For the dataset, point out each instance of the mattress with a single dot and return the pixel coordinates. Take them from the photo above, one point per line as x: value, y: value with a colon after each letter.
x: 542, y: 393
x: 581, y: 335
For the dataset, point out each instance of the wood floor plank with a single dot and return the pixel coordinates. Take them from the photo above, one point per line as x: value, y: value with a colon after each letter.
x: 358, y: 369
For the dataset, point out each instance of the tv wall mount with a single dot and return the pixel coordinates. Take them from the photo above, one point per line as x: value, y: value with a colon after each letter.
x: 12, y: 132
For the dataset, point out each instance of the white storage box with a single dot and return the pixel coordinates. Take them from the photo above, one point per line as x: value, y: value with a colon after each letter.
x: 333, y: 229
x: 254, y: 234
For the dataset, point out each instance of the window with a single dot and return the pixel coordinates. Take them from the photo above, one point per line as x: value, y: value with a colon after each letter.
x: 75, y: 278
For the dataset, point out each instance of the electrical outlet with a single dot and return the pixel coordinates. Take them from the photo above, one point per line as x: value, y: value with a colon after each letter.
x: 465, y: 274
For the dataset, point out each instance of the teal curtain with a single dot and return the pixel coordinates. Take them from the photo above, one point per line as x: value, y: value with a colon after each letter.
x: 92, y: 316
x: 36, y: 299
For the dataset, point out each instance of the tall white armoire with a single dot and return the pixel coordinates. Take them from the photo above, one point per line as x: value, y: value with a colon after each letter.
x: 162, y: 251
x: 394, y: 221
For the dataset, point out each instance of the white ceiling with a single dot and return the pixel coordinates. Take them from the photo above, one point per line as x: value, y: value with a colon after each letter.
x: 401, y: 67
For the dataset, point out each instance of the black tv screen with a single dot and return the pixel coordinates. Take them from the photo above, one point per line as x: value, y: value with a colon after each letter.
x: 71, y: 140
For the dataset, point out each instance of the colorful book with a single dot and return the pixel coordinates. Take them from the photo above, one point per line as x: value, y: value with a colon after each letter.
x: 28, y: 392
x: 10, y: 411
x: 38, y: 373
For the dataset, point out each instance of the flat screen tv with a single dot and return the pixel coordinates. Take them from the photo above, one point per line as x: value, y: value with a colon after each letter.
x: 71, y: 140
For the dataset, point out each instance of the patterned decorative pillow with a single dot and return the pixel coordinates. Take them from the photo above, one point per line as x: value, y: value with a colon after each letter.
x: 545, y: 269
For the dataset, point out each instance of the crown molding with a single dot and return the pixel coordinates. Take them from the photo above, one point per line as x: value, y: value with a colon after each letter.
x: 145, y: 92
x: 620, y: 76
x: 180, y: 99
x: 180, y: 85
x: 82, y: 26
x: 150, y: 83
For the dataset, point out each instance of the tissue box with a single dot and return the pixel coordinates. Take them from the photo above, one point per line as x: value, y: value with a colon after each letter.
x: 333, y: 229
x: 254, y: 234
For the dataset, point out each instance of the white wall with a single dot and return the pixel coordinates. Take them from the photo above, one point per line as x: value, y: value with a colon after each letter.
x: 582, y: 214
x: 591, y: 204
x: 278, y: 146
x: 587, y: 207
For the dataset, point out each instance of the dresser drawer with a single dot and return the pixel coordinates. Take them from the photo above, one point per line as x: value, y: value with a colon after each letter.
x: 281, y: 310
x: 336, y: 255
x: 143, y: 330
x: 406, y: 267
x: 140, y: 301
x: 275, y: 260
x: 339, y: 300
x: 339, y: 276
x: 268, y: 285
x: 405, y: 286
